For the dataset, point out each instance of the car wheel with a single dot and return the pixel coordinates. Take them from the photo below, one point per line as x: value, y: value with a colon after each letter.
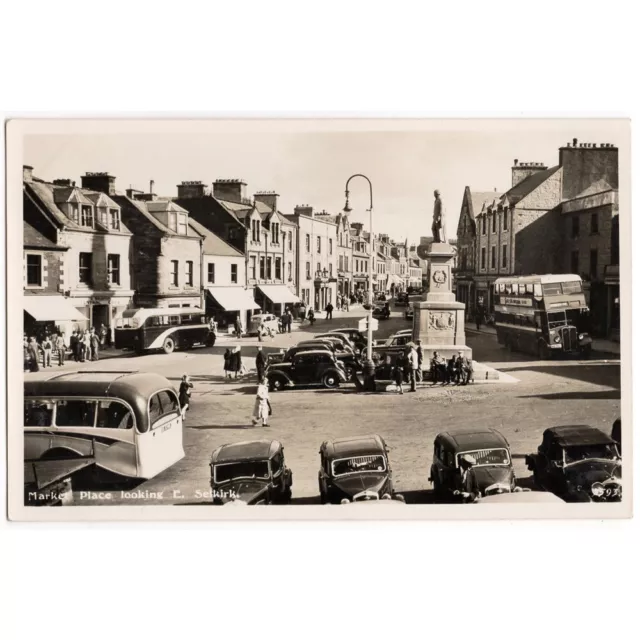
x: 331, y: 380
x: 169, y: 345
x: 276, y: 384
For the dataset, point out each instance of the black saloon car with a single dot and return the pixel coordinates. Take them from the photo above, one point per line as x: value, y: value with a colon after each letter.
x: 358, y: 339
x: 492, y: 465
x: 354, y: 469
x: 578, y: 463
x: 250, y: 472
x: 343, y: 354
x: 316, y: 367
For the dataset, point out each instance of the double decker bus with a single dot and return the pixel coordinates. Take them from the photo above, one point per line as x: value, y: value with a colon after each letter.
x: 542, y: 315
x: 163, y: 328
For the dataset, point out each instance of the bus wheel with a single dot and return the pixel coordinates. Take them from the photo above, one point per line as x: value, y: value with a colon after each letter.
x: 169, y: 345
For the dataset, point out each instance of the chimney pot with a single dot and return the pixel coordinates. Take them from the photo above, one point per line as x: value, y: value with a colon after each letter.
x: 515, y: 162
x: 575, y: 141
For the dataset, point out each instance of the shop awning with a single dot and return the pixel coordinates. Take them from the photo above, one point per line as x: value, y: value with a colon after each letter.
x: 394, y: 278
x: 278, y: 293
x: 51, y: 308
x: 233, y: 298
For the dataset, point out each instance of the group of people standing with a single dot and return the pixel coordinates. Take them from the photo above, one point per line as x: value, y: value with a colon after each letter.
x: 233, y: 362
x: 85, y: 345
x: 408, y: 367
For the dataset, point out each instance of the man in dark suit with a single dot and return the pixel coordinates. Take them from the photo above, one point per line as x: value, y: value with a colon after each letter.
x: 261, y: 364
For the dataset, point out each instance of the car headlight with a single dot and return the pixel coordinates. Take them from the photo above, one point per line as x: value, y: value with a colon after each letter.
x: 497, y: 488
x: 597, y: 489
x: 557, y: 339
x: 580, y: 336
x: 344, y: 501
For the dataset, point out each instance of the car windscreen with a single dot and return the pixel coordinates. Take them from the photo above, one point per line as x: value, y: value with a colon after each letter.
x: 358, y: 464
x: 485, y: 457
x: 245, y: 469
x: 589, y: 451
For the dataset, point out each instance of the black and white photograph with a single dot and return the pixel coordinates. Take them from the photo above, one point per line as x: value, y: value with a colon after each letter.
x: 400, y: 317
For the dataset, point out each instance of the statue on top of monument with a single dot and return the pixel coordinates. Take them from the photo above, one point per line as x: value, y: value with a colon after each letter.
x: 437, y: 228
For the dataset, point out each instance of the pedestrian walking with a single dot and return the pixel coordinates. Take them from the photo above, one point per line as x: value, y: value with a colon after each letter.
x: 261, y: 364
x: 399, y: 372
x: 236, y: 361
x: 61, y: 348
x: 420, y: 359
x: 213, y: 332
x: 228, y: 365
x: 478, y: 319
x: 413, y: 366
x: 237, y: 325
x: 73, y: 344
x: 85, y: 352
x: 312, y: 317
x: 262, y: 407
x: 103, y: 335
x: 289, y: 320
x: 33, y: 350
x: 184, y: 395
x: 329, y: 310
x: 94, y: 345
x: 47, y: 349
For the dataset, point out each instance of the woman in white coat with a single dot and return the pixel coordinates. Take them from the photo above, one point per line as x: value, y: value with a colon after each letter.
x: 262, y: 407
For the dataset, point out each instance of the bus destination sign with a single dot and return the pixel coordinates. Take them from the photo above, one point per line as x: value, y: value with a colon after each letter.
x: 516, y: 302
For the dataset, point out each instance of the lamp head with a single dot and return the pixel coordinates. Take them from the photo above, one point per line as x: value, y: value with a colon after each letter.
x: 347, y: 208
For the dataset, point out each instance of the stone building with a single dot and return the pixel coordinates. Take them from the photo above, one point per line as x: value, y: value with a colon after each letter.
x: 345, y: 255
x: 361, y: 247
x: 77, y: 255
x: 316, y: 267
x: 589, y: 229
x: 166, y: 257
x: 256, y: 228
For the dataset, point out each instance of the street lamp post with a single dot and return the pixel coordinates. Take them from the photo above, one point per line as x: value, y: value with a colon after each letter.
x: 369, y: 367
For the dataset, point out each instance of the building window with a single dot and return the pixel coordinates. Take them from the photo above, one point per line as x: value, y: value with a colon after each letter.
x: 234, y: 274
x: 308, y: 270
x: 504, y: 256
x: 308, y: 243
x: 74, y: 213
x: 114, y: 216
x: 330, y: 270
x: 319, y: 243
x: 34, y: 270
x: 493, y: 222
x: 593, y: 263
x: 255, y: 230
x: 505, y: 219
x: 483, y: 259
x: 173, y: 221
x: 289, y: 277
x: 278, y: 274
x: 269, y: 268
x: 113, y: 268
x: 275, y: 233
x: 484, y: 225
x: 330, y: 247
x: 85, y: 269
x: 253, y: 267
x: 211, y: 271
x: 290, y: 236
x: 594, y: 223
x: 182, y: 225
x: 262, y: 271
x: 188, y: 272
x: 575, y: 262
x: 493, y: 257
x: 575, y: 226
x: 87, y: 216
x: 174, y: 273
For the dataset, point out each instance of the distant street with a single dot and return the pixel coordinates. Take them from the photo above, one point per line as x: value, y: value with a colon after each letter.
x: 548, y: 393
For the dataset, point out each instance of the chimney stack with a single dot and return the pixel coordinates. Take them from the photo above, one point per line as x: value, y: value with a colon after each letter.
x: 268, y: 198
x: 151, y: 183
x: 191, y: 189
x: 303, y: 210
x: 232, y: 190
x: 27, y: 173
x: 522, y: 171
x: 99, y: 181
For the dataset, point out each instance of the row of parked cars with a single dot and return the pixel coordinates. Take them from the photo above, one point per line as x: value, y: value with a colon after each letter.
x: 573, y: 463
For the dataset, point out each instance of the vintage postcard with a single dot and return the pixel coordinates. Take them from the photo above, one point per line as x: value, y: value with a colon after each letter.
x: 318, y: 319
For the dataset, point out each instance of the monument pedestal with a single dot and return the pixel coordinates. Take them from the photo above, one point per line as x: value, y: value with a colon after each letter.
x: 438, y: 321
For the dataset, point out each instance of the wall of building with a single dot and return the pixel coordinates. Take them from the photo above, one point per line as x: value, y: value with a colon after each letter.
x: 223, y: 271
x: 52, y: 271
x: 582, y: 166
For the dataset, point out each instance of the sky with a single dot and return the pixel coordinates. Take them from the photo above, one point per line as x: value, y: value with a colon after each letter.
x: 307, y: 166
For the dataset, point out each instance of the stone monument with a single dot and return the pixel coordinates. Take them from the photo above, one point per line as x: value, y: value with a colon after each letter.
x: 438, y: 321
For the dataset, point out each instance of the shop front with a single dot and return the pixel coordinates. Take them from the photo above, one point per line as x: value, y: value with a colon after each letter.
x: 51, y: 314
x: 275, y: 298
x: 324, y: 289
x: 225, y: 303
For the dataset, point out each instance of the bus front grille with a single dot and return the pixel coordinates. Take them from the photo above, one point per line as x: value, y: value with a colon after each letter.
x: 569, y: 337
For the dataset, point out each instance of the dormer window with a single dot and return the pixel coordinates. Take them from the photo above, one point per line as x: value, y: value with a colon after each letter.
x: 114, y: 219
x: 178, y: 223
x: 87, y: 216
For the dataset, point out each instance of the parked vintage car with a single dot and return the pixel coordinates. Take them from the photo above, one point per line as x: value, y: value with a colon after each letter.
x: 402, y: 300
x: 381, y: 311
x: 354, y: 469
x: 396, y: 342
x: 250, y: 472
x: 343, y: 354
x: 492, y: 467
x: 578, y: 463
x: 269, y: 320
x: 307, y: 368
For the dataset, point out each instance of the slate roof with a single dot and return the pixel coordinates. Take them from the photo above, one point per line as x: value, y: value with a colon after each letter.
x: 125, y: 201
x: 524, y: 188
x: 213, y: 245
x: 480, y: 198
x: 34, y: 238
